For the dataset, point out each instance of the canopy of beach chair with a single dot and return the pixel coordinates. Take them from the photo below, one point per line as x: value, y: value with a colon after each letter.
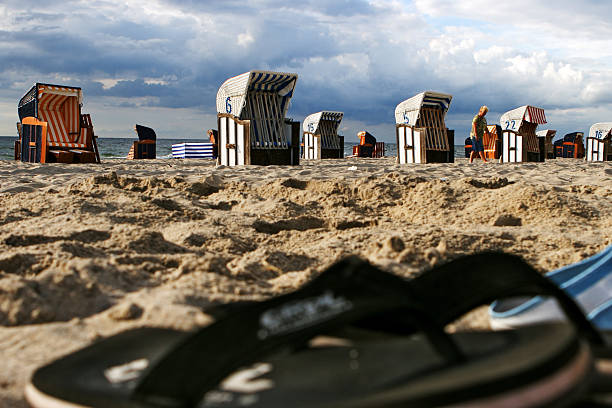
x: 546, y: 133
x: 524, y: 113
x: 145, y: 133
x: 315, y: 122
x: 408, y: 112
x: 232, y: 96
x: 47, y: 97
x: 600, y: 130
x: 59, y: 106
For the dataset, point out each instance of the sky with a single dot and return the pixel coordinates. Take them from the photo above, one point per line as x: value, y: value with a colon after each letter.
x: 160, y: 63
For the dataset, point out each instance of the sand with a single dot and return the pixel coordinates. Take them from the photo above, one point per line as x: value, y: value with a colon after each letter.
x: 90, y: 250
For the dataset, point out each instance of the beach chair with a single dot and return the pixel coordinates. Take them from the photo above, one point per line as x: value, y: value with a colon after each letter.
x: 468, y: 147
x: 53, y: 129
x: 558, y: 147
x: 368, y: 146
x: 519, y: 140
x: 146, y: 145
x: 213, y: 136
x: 421, y: 133
x: 18, y: 142
x: 379, y: 149
x: 492, y: 142
x: 545, y: 142
x: 320, y: 136
x: 571, y: 146
x: 599, y: 142
x: 251, y: 111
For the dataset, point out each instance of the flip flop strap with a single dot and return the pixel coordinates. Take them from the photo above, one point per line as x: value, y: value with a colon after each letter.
x: 345, y: 293
x: 460, y: 286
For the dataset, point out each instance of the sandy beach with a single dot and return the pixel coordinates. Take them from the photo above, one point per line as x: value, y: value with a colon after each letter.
x: 91, y: 250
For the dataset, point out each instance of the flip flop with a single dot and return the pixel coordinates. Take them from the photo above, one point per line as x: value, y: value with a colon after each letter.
x: 589, y: 282
x: 485, y: 277
x: 265, y: 355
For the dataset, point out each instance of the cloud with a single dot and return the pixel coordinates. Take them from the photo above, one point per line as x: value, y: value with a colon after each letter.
x: 360, y: 57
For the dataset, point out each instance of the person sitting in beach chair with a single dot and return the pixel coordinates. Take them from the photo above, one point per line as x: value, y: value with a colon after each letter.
x: 213, y: 136
x: 479, y: 129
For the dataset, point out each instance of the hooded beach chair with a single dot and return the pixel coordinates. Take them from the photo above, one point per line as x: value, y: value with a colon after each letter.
x: 492, y: 142
x: 570, y: 146
x: 18, y: 142
x: 545, y: 142
x: 468, y: 147
x: 251, y: 111
x: 321, y: 139
x: 213, y: 136
x: 53, y: 129
x: 599, y: 142
x: 421, y: 133
x: 368, y: 146
x: 145, y: 147
x: 520, y: 143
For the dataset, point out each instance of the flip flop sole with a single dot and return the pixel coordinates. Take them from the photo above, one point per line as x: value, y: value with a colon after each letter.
x: 532, y: 367
x: 39, y: 399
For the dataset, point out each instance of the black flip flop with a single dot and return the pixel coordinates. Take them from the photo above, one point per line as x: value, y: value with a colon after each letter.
x: 262, y: 356
x: 486, y: 277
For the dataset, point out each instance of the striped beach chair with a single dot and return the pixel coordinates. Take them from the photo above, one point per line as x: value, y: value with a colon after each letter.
x: 320, y: 136
x: 519, y: 140
x: 251, y: 122
x: 420, y: 130
x: 492, y: 142
x: 599, y: 142
x: 53, y: 129
x: 146, y: 145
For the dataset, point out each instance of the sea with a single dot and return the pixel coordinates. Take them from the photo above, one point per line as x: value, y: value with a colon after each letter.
x: 118, y: 148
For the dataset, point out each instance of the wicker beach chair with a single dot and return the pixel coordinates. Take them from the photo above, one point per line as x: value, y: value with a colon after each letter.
x: 571, y: 146
x: 18, y: 142
x: 421, y: 133
x: 213, y: 136
x: 146, y: 145
x: 599, y: 142
x: 492, y: 142
x: 519, y: 140
x: 468, y: 147
x: 53, y: 129
x: 320, y: 136
x: 251, y: 111
x: 545, y: 141
x: 368, y: 146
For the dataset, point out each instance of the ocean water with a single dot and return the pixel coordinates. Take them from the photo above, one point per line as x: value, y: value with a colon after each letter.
x: 118, y: 148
